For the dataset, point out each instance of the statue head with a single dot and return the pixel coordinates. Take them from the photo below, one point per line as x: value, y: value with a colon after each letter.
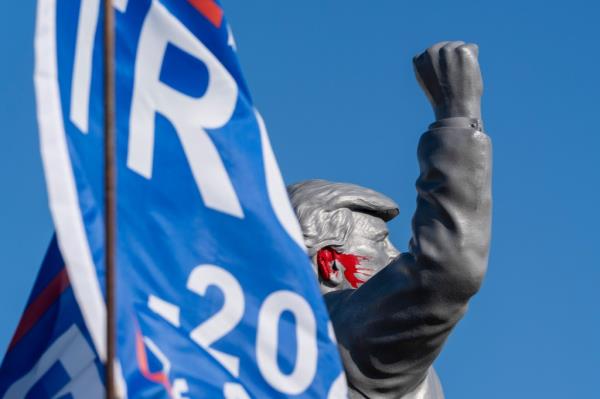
x: 345, y: 230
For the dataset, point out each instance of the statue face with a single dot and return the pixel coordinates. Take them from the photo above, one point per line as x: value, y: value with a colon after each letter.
x: 366, y: 251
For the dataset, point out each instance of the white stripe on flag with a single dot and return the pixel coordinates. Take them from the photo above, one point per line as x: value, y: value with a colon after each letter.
x: 64, y: 204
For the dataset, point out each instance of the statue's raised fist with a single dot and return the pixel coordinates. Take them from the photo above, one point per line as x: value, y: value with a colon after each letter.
x: 449, y: 74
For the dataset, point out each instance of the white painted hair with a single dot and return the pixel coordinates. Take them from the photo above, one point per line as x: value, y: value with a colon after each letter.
x: 324, y: 210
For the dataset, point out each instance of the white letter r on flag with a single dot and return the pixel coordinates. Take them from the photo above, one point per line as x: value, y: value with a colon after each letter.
x: 189, y: 115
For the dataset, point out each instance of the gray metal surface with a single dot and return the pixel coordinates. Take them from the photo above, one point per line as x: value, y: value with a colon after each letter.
x: 392, y: 311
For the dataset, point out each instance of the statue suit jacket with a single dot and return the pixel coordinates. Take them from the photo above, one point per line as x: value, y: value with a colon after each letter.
x: 391, y: 329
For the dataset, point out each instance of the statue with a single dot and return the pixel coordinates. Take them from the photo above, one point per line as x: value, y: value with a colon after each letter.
x: 392, y: 311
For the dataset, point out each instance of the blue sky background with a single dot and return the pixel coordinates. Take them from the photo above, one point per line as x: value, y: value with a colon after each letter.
x: 334, y: 81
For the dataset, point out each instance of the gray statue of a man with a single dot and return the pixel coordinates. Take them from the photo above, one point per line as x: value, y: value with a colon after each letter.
x: 392, y: 311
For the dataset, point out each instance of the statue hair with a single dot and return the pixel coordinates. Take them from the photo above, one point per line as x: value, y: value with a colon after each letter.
x: 324, y: 210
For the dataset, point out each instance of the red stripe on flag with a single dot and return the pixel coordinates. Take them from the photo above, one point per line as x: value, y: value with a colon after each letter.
x: 210, y: 10
x: 158, y: 377
x: 40, y: 305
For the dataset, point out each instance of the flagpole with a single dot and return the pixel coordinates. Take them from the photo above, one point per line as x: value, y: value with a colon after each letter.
x: 109, y: 193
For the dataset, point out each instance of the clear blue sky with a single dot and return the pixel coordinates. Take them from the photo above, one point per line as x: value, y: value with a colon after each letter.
x: 335, y: 84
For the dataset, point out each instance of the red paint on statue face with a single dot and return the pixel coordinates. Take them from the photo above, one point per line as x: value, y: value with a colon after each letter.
x: 351, y: 269
x: 325, y: 262
x: 331, y: 263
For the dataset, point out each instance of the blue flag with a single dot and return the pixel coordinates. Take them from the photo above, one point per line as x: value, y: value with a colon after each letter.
x: 216, y: 296
x: 51, y: 353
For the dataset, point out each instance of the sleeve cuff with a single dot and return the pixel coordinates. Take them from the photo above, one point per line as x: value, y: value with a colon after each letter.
x: 459, y: 121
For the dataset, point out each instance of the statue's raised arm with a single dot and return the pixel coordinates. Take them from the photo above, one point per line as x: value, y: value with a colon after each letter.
x: 392, y: 311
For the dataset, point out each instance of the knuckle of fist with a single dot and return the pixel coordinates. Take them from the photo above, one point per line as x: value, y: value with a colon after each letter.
x: 445, y: 52
x: 466, y: 53
x: 464, y: 50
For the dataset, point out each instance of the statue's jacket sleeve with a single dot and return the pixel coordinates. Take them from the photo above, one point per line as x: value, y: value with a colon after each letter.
x: 391, y: 329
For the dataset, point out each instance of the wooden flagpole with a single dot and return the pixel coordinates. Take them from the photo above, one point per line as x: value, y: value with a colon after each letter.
x: 109, y: 193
